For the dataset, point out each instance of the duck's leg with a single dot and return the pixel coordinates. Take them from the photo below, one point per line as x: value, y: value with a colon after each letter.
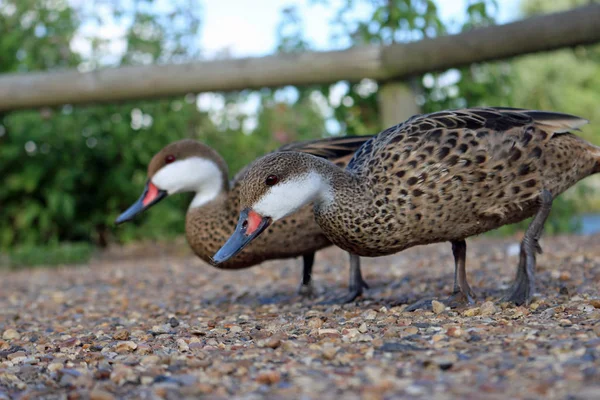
x: 462, y: 293
x: 306, y: 288
x: 356, y: 285
x: 524, y: 286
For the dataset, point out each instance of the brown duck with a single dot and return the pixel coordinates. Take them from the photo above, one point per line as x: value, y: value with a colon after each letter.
x: 438, y: 177
x: 190, y: 166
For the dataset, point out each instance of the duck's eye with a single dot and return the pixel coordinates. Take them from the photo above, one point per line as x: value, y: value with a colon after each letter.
x: 169, y: 159
x: 271, y: 180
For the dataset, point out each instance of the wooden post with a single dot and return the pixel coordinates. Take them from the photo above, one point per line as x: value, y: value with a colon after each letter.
x: 397, y: 103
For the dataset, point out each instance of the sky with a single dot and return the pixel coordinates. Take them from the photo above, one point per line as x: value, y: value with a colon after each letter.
x: 247, y: 28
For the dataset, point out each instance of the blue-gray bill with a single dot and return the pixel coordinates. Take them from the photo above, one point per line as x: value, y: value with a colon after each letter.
x: 150, y: 197
x: 249, y: 226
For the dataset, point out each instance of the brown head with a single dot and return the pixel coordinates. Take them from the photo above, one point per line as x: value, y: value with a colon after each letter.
x: 272, y: 188
x: 182, y: 166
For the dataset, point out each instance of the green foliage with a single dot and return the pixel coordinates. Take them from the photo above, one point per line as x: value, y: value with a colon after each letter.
x: 48, y: 255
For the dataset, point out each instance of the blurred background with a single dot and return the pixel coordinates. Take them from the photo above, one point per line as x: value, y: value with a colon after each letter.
x: 67, y: 172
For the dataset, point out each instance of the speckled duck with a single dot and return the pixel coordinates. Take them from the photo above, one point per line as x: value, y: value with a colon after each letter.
x: 190, y: 166
x: 437, y: 177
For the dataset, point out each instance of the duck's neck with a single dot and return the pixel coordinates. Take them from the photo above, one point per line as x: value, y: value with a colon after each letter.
x: 340, y: 186
x: 214, y: 182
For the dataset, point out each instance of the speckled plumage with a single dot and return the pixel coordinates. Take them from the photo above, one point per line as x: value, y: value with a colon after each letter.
x: 440, y: 177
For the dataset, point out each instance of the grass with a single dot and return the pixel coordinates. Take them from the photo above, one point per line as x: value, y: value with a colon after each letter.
x: 47, y: 255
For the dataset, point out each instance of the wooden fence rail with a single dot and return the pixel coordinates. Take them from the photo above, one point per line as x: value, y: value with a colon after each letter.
x: 548, y: 32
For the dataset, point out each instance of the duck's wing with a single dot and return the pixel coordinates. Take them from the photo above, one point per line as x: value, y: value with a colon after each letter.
x: 337, y: 149
x: 489, y: 157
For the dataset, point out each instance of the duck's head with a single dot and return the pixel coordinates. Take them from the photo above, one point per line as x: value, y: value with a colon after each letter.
x: 272, y: 188
x: 182, y: 166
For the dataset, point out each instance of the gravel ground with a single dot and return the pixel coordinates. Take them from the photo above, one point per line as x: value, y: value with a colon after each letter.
x: 151, y: 323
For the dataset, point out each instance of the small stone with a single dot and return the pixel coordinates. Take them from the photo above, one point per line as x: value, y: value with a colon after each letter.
x: 454, y: 331
x: 161, y: 329
x: 369, y: 315
x: 123, y: 374
x: 595, y: 303
x: 150, y: 360
x: 143, y: 348
x: 438, y: 307
x: 182, y: 345
x: 330, y: 352
x: 315, y: 323
x: 268, y: 378
x: 351, y: 333
x: 437, y: 337
x: 488, y: 308
x: 173, y: 322
x: 273, y: 342
x: 53, y: 367
x: 471, y: 312
x: 329, y: 332
x: 98, y: 394
x: 11, y: 334
x: 17, y: 356
x: 125, y: 347
x: 235, y: 329
x: 548, y: 313
x: 122, y: 334
x: 410, y: 330
x: 363, y: 328
x: 564, y: 276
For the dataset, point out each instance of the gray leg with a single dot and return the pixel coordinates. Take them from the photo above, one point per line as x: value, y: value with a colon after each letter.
x: 356, y: 285
x: 462, y: 293
x: 524, y: 286
x: 306, y: 287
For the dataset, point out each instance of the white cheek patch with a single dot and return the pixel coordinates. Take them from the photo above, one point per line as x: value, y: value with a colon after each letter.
x: 192, y: 174
x: 288, y: 197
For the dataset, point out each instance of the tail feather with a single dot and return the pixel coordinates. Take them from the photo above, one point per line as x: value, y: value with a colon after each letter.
x: 557, y: 122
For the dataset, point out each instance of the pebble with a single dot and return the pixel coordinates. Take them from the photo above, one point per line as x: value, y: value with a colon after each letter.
x: 98, y: 394
x: 363, y: 328
x: 488, y: 308
x: 370, y: 315
x: 11, y: 334
x: 122, y: 334
x: 182, y: 345
x: 330, y: 352
x: 17, y: 356
x: 329, y: 332
x: 438, y: 307
x: 125, y: 347
x: 235, y: 329
x: 471, y: 312
x: 273, y: 342
x: 454, y: 331
x: 53, y: 367
x: 315, y: 323
x: 268, y: 378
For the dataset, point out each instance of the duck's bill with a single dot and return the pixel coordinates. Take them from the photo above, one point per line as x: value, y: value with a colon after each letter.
x: 249, y: 226
x: 150, y: 197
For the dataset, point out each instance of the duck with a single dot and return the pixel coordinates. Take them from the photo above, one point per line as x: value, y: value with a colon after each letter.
x: 191, y: 166
x: 437, y: 177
